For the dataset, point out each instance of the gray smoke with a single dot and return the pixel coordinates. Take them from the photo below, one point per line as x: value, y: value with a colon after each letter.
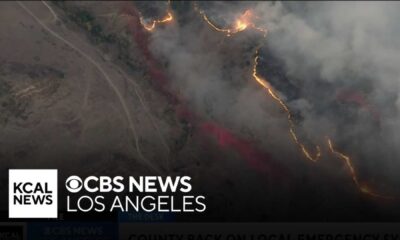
x: 352, y: 45
x: 324, y: 48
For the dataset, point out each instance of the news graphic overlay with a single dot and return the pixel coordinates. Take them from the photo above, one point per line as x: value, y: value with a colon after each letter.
x: 32, y: 193
x: 133, y: 194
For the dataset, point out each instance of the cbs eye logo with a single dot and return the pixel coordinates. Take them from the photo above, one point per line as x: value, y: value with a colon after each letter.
x: 74, y: 184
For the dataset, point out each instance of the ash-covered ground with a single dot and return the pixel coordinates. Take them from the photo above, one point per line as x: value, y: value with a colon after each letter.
x: 95, y: 88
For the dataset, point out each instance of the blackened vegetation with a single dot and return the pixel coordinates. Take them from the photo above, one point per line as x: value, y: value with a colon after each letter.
x: 98, y: 35
x: 149, y: 9
x: 86, y: 20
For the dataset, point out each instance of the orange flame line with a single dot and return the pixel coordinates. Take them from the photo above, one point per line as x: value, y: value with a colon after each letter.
x: 292, y: 130
x: 241, y: 24
x: 227, y: 31
x: 168, y: 18
x: 348, y: 163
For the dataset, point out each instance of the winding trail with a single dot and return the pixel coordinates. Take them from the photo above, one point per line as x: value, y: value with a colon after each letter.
x: 106, y: 76
x: 136, y: 87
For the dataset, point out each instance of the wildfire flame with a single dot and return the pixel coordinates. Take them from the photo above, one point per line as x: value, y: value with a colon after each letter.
x: 349, y: 165
x: 151, y: 26
x: 292, y: 130
x: 242, y: 23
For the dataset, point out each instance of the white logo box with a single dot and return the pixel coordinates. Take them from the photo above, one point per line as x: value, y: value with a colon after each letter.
x: 33, y: 176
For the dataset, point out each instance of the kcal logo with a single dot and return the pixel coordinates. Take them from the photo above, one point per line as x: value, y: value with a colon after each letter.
x: 32, y: 193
